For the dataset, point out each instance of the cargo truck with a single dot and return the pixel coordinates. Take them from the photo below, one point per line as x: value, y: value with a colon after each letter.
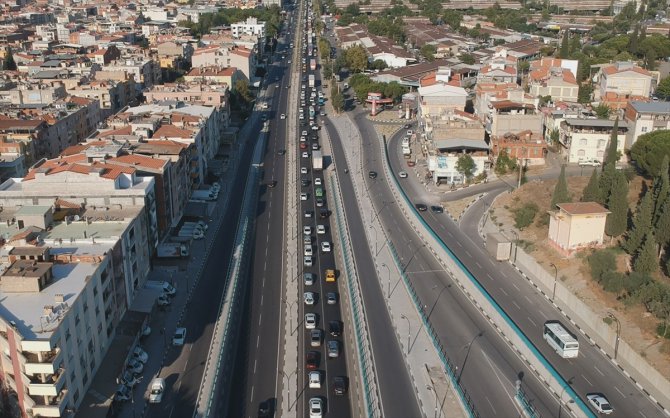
x: 312, y: 66
x: 317, y: 160
x: 172, y: 250
x: 312, y: 80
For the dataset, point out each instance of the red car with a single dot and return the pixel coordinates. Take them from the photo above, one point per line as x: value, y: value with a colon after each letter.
x: 411, y: 163
x: 303, y: 145
x: 312, y: 360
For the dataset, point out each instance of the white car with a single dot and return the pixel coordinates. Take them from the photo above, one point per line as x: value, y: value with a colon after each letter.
x: 409, y: 132
x: 600, y: 403
x: 304, y: 133
x: 302, y: 116
x: 402, y: 174
x: 179, y: 337
x: 320, y: 229
x: 157, y: 387
x: 305, y: 154
x: 315, y: 380
x: 308, y: 298
x: 310, y: 320
x: 307, y: 230
x: 317, y: 181
x: 308, y: 251
x: 307, y: 261
x: 303, y: 196
x: 589, y: 163
x: 315, y: 408
x: 282, y: 116
x: 325, y: 246
x: 303, y: 170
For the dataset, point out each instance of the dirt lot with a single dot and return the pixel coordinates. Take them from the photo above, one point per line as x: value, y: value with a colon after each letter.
x: 638, y: 326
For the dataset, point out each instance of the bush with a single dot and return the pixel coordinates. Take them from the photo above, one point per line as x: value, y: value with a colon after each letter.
x: 601, y: 262
x: 663, y: 330
x: 525, y: 215
x: 613, y: 281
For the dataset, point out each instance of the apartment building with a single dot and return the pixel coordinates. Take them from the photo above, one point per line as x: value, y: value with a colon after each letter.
x: 112, y: 95
x: 554, y: 77
x: 145, y: 71
x: 528, y: 147
x: 12, y: 160
x: 588, y: 139
x: 226, y: 57
x: 252, y: 26
x: 222, y: 76
x: 506, y: 116
x: 26, y: 132
x: 622, y: 81
x: 644, y: 117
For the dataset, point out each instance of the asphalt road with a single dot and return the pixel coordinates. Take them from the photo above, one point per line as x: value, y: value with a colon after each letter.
x: 487, y: 367
x: 591, y: 371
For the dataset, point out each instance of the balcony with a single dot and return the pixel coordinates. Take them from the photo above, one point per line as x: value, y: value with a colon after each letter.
x: 43, y: 362
x: 53, y: 408
x: 51, y: 386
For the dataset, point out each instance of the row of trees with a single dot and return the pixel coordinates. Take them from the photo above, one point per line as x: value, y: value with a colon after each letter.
x: 270, y: 15
x: 362, y: 85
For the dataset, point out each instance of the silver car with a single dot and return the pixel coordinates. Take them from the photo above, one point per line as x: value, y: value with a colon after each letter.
x: 333, y: 349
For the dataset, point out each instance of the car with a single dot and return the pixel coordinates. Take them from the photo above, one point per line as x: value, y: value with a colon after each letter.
x: 140, y: 354
x: 314, y: 380
x: 303, y: 145
x: 308, y: 250
x: 272, y: 184
x: 315, y: 146
x: 315, y: 338
x: 179, y: 337
x: 421, y: 207
x: 307, y: 230
x: 156, y: 390
x: 402, y: 174
x: 320, y: 229
x: 325, y: 246
x: 437, y: 209
x: 307, y: 261
x: 129, y: 379
x: 411, y: 163
x: 303, y: 170
x: 331, y: 297
x: 333, y: 348
x: 308, y: 278
x: 301, y: 117
x: 305, y: 154
x: 322, y: 113
x: 315, y: 127
x: 312, y: 360
x: 304, y: 182
x: 309, y: 298
x: 407, y: 126
x: 303, y: 196
x: 319, y: 202
x: 281, y: 152
x: 146, y: 331
x: 310, y: 320
x: 264, y: 409
x: 600, y: 403
x: 372, y: 174
x: 135, y: 366
x: 317, y: 181
x: 335, y: 328
x: 409, y: 132
x: 304, y: 133
x: 308, y: 214
x: 315, y: 408
x: 340, y: 385
x: 123, y: 393
x: 589, y: 163
x: 307, y: 240
x: 163, y: 300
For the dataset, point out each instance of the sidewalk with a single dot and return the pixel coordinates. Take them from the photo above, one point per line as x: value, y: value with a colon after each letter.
x: 432, y: 385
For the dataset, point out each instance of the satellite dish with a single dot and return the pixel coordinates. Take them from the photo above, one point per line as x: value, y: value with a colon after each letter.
x: 76, y: 217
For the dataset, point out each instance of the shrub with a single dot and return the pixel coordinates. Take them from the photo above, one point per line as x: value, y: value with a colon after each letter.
x: 525, y: 215
x: 601, y: 262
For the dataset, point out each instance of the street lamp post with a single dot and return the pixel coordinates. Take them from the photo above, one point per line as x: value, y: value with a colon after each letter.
x: 409, y: 332
x: 553, y: 294
x: 388, y: 281
x: 560, y: 399
x: 458, y: 380
x: 618, y: 333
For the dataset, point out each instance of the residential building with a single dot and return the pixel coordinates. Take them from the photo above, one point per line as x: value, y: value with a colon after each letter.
x: 528, y: 147
x: 554, y: 77
x: 645, y: 117
x: 145, y: 71
x: 377, y: 47
x: 588, y: 139
x: 112, y: 95
x: 223, y: 76
x: 174, y: 55
x: 252, y: 26
x: 497, y: 72
x: 574, y: 226
x: 506, y: 116
x: 620, y: 82
x: 226, y: 57
x: 35, y: 94
x: 488, y: 93
x: 12, y: 160
x: 28, y: 133
x: 439, y: 97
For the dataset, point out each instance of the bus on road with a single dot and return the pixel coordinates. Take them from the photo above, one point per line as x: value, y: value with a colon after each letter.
x: 560, y: 339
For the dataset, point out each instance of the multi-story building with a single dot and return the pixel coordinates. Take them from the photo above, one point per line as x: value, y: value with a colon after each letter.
x: 622, y: 81
x: 440, y: 98
x: 251, y: 26
x: 35, y: 94
x: 528, y: 147
x: 174, y: 55
x: 28, y: 133
x: 12, y: 160
x: 645, y: 117
x: 554, y: 77
x: 226, y: 57
x: 223, y: 76
x: 588, y: 139
x: 112, y: 95
x: 145, y: 71
x: 506, y: 116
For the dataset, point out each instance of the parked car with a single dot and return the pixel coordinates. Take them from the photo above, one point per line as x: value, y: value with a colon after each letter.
x: 123, y: 393
x: 179, y: 337
x: 402, y: 174
x: 157, y: 388
x: 310, y: 320
x: 129, y: 379
x: 135, y: 366
x: 589, y: 163
x: 340, y: 385
x: 600, y: 403
x: 315, y: 408
x: 140, y: 354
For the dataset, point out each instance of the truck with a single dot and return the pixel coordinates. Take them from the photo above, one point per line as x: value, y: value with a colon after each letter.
x: 498, y: 246
x: 312, y: 80
x: 204, y: 194
x: 312, y: 65
x: 166, y: 287
x: 317, y: 160
x: 172, y: 250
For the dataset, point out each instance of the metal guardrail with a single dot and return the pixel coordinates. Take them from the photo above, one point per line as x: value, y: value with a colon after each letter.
x: 483, y: 292
x: 370, y: 390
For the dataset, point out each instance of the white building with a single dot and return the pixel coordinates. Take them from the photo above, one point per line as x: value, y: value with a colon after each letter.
x: 588, y: 139
x: 251, y: 27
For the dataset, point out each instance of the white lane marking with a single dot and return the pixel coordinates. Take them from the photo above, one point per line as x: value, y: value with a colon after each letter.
x: 528, y: 299
x: 478, y: 265
x: 587, y: 380
x: 491, y: 405
x: 503, y: 274
x: 252, y: 392
x: 515, y: 286
x: 459, y: 244
x: 543, y: 315
x: 503, y: 290
x: 489, y: 276
x: 258, y: 339
x: 598, y: 370
x: 532, y: 322
x: 620, y: 392
x: 516, y: 304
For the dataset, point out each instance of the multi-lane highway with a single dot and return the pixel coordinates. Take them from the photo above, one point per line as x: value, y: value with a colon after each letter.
x: 591, y: 371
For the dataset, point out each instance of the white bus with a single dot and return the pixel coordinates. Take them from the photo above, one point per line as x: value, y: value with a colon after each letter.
x: 562, y: 341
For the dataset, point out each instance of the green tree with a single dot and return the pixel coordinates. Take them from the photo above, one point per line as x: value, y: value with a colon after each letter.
x: 602, y: 111
x: 466, y: 166
x: 356, y: 58
x: 504, y: 163
x: 649, y: 151
x: 378, y: 65
x: 632, y: 43
x: 575, y: 44
x: 565, y: 45
x: 525, y: 215
x: 591, y: 191
x: 605, y: 183
x: 662, y: 226
x: 467, y: 59
x: 584, y: 93
x: 242, y: 89
x: 612, y: 155
x: 9, y: 64
x: 601, y: 262
x: 428, y: 52
x: 617, y: 203
x: 663, y: 89
x: 661, y: 189
x: 561, y: 193
x: 642, y: 223
x: 337, y: 100
x: 645, y: 260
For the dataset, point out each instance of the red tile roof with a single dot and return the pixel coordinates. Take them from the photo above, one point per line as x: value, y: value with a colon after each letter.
x: 171, y: 131
x: 140, y: 161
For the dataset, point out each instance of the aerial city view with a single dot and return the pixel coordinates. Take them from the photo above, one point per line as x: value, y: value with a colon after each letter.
x: 335, y: 208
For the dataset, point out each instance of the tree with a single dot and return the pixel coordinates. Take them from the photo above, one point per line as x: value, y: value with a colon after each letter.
x: 649, y: 151
x: 662, y: 226
x: 575, y: 44
x: 663, y: 89
x: 356, y: 58
x: 337, y: 100
x: 378, y: 65
x: 602, y: 111
x: 428, y: 51
x: 612, y: 155
x: 642, y: 223
x: 601, y: 262
x: 466, y: 166
x: 632, y: 43
x: 645, y: 260
x: 525, y: 215
x: 9, y: 64
x: 561, y: 194
x: 504, y: 163
x: 565, y: 46
x: 467, y: 59
x: 605, y: 183
x: 584, y: 93
x: 617, y: 203
x: 661, y: 189
x: 242, y: 89
x: 591, y: 191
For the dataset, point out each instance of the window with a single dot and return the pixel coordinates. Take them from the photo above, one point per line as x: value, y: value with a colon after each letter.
x: 602, y: 143
x: 581, y: 153
x: 583, y: 141
x: 644, y: 129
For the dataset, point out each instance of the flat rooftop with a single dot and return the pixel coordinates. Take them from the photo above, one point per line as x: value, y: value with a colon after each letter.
x: 25, y: 309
